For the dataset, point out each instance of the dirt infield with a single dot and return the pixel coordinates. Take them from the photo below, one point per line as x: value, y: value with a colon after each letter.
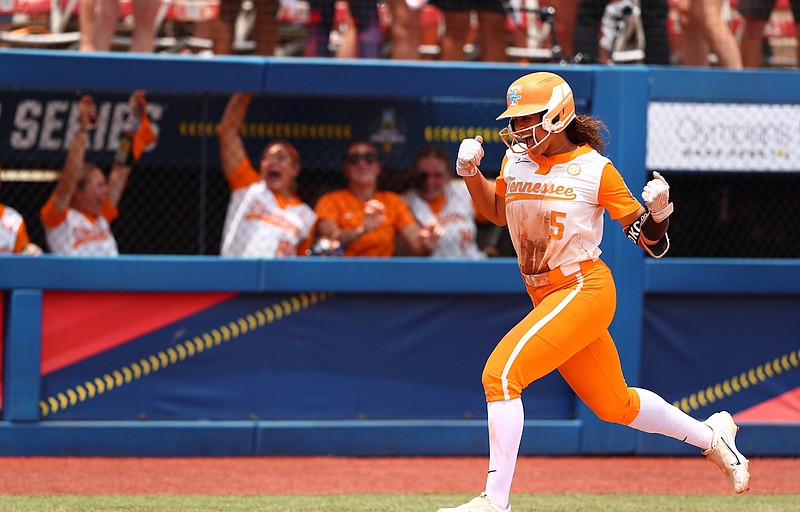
x: 340, y: 475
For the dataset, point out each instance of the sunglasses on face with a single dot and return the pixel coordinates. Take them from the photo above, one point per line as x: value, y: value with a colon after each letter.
x: 354, y: 158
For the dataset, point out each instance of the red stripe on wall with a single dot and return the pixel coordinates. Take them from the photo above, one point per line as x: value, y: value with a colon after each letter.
x: 78, y: 325
x: 783, y: 408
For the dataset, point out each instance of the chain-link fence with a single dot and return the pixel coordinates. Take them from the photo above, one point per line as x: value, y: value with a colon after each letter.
x: 733, y: 172
x: 735, y: 215
x: 176, y: 197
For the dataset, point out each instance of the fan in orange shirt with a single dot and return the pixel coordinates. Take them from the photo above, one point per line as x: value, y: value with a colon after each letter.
x: 365, y: 220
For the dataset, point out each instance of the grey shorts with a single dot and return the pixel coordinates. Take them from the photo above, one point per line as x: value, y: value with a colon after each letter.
x: 468, y: 5
x: 761, y: 9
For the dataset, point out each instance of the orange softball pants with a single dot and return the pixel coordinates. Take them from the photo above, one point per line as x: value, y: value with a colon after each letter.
x: 566, y: 331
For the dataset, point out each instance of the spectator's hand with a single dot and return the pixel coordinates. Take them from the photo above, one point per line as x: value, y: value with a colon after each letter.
x: 87, y: 113
x: 32, y: 250
x: 138, y: 134
x: 374, y: 213
x: 469, y: 158
x: 656, y: 197
x: 430, y: 234
x: 137, y: 97
x: 136, y: 104
x: 326, y: 246
x: 491, y: 251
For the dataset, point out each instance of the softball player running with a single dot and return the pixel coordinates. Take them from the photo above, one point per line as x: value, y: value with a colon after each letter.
x: 552, y: 191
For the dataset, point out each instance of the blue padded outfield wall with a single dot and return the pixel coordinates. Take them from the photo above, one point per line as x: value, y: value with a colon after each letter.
x: 193, y: 355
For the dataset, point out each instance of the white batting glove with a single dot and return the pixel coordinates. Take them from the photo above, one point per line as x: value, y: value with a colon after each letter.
x: 469, y: 158
x: 656, y: 197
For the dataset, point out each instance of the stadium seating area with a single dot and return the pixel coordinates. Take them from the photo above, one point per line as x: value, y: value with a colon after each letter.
x: 54, y: 24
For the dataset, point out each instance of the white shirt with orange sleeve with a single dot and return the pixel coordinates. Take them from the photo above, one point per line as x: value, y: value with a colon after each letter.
x: 261, y: 224
x: 555, y: 206
x: 13, y: 234
x: 456, y: 214
x: 74, y: 233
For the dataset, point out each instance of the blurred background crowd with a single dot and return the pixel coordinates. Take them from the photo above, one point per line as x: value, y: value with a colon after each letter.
x: 728, y: 33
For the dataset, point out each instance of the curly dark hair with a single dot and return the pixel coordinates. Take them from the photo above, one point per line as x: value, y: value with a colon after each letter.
x: 587, y: 129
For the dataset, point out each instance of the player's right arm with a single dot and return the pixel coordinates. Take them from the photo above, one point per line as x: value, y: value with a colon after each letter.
x: 487, y: 202
x: 231, y: 146
x: 73, y: 169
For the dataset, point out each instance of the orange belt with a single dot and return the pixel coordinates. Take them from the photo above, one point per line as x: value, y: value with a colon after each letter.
x: 557, y: 275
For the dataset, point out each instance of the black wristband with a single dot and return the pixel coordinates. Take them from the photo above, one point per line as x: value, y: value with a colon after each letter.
x: 652, y: 230
x: 646, y: 227
x: 123, y: 155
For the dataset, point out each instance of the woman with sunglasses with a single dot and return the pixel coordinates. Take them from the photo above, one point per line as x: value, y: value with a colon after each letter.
x: 553, y: 190
x: 438, y: 199
x: 364, y: 220
x: 265, y: 217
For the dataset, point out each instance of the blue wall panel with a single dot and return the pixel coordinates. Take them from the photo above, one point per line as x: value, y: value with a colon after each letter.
x: 730, y: 341
x: 376, y: 356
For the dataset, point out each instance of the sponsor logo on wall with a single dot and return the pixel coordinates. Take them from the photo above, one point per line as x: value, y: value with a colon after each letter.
x: 723, y: 137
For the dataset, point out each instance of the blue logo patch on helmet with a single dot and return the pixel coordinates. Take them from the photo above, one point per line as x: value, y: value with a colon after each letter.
x: 514, y: 95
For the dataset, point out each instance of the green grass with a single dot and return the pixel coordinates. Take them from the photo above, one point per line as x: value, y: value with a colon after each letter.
x: 397, y: 503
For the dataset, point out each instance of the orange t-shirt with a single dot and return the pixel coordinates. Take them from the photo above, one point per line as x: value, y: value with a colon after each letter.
x: 347, y: 211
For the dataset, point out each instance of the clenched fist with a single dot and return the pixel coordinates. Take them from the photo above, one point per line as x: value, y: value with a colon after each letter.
x: 656, y: 197
x: 469, y: 158
x: 374, y: 214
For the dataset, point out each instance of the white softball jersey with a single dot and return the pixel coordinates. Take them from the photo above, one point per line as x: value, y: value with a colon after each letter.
x: 555, y: 206
x: 457, y: 218
x: 11, y: 223
x: 75, y: 233
x: 257, y: 226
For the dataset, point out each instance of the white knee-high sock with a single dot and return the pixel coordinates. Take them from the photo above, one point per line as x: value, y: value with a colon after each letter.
x: 658, y: 417
x: 506, y: 419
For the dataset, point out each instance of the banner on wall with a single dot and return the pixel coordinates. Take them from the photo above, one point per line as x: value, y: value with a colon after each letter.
x: 723, y: 137
x: 705, y: 356
x: 37, y: 128
x: 306, y: 356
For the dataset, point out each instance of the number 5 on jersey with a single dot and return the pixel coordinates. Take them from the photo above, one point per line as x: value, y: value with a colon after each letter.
x: 557, y: 224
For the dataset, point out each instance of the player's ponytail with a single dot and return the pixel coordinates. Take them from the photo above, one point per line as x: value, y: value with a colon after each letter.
x: 587, y: 129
